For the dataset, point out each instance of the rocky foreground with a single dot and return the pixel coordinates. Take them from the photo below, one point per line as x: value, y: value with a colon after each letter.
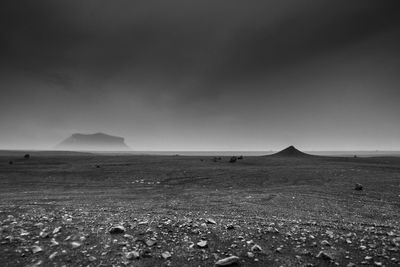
x: 43, y: 235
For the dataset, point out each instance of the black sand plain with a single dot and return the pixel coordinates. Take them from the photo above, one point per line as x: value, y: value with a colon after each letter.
x: 289, y: 209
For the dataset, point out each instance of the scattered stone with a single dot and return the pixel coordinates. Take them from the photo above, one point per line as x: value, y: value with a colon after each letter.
x: 250, y: 254
x: 53, y: 255
x: 256, y: 248
x: 128, y: 236
x: 44, y: 234
x: 233, y: 159
x: 92, y: 258
x: 36, y: 249
x: 24, y: 233
x: 227, y: 261
x: 211, y: 221
x: 358, y: 187
x: 324, y: 255
x: 325, y: 243
x: 132, y: 255
x: 117, y: 229
x: 230, y: 227
x: 56, y: 230
x: 166, y: 255
x: 150, y: 242
x: 75, y: 244
x: 202, y: 244
x: 53, y: 242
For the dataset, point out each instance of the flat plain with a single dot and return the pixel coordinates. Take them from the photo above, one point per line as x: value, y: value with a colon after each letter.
x: 58, y: 209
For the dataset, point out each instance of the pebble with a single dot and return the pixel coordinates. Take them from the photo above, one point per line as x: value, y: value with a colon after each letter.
x: 117, y: 229
x: 227, y: 261
x: 36, y: 249
x: 256, y: 248
x: 166, y: 255
x: 75, y: 244
x: 324, y: 255
x: 53, y: 255
x: 132, y: 255
x: 202, y: 244
x: 211, y: 221
x: 250, y: 254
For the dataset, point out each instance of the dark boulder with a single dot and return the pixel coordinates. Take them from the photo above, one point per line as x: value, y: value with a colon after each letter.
x: 358, y: 187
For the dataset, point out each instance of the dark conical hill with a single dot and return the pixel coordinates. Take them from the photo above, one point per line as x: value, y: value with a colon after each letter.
x: 290, y: 151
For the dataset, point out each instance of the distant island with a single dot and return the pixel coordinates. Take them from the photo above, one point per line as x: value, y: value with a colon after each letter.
x: 90, y: 142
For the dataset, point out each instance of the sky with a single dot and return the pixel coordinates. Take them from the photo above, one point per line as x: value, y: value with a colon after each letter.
x: 201, y: 75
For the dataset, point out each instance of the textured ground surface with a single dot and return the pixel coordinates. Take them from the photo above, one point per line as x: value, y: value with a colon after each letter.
x: 57, y: 210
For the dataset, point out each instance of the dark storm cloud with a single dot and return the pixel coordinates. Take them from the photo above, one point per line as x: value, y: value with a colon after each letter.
x: 175, y: 41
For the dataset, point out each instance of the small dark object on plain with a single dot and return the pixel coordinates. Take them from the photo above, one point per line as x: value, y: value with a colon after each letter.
x: 324, y: 255
x: 355, y: 156
x: 27, y: 156
x: 117, y: 229
x: 240, y: 157
x: 11, y: 162
x: 97, y: 166
x: 233, y: 159
x: 358, y: 187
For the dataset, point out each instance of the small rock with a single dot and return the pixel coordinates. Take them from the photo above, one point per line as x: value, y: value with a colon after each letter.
x: 24, y: 233
x: 227, y: 261
x: 377, y: 263
x: 75, y: 244
x: 36, y: 249
x: 211, y: 221
x: 358, y: 187
x: 166, y: 255
x: 128, y: 236
x: 44, y: 234
x: 325, y: 243
x: 324, y: 255
x: 117, y: 229
x: 53, y: 242
x: 250, y: 254
x: 56, y: 230
x: 150, y: 242
x: 92, y: 258
x: 132, y: 255
x: 202, y: 244
x: 53, y: 255
x: 230, y: 227
x: 256, y: 248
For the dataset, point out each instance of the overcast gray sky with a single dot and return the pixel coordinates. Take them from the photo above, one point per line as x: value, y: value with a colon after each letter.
x: 202, y: 75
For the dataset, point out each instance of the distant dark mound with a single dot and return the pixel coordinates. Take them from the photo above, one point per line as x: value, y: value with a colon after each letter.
x: 93, y: 142
x: 291, y: 152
